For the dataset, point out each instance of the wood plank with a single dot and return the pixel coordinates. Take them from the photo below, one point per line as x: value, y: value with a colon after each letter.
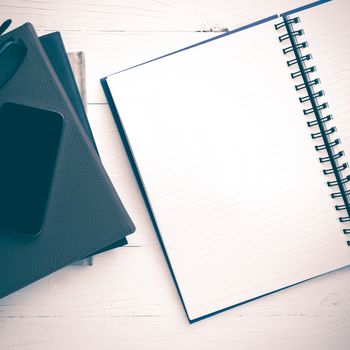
x: 135, y: 308
x: 142, y: 15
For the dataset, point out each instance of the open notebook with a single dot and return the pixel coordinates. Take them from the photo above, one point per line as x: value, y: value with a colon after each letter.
x: 238, y: 156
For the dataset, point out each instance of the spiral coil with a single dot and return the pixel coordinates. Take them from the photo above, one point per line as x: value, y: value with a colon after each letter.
x: 324, y: 133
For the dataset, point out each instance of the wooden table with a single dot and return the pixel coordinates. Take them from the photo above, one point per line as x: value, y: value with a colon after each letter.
x: 127, y: 299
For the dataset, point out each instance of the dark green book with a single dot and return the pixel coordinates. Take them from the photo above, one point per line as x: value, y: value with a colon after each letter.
x: 70, y: 69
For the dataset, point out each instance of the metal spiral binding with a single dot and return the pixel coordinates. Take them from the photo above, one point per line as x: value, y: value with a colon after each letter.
x: 316, y: 109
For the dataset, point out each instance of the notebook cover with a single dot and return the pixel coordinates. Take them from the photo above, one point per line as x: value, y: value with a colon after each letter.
x: 84, y: 213
x: 56, y: 52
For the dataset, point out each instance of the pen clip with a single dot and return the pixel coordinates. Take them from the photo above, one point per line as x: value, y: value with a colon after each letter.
x: 5, y: 26
x: 12, y: 53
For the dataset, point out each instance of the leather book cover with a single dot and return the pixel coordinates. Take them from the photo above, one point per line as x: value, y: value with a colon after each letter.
x: 60, y: 61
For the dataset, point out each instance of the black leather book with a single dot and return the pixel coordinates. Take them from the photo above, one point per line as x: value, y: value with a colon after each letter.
x: 57, y: 203
x: 57, y: 54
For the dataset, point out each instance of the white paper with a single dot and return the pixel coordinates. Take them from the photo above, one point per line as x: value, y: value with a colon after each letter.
x: 230, y: 169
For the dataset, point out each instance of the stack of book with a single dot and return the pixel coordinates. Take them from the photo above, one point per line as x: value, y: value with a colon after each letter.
x: 57, y: 204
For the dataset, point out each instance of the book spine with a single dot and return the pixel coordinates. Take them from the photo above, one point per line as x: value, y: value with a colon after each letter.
x: 316, y: 111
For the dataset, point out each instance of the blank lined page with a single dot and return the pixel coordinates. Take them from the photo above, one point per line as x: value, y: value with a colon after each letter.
x: 230, y: 170
x: 327, y: 30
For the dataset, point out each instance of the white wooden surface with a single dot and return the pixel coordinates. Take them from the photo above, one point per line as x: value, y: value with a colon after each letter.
x: 127, y: 300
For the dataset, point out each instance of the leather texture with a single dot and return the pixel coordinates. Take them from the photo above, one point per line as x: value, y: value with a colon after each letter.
x: 84, y: 213
x: 56, y: 53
